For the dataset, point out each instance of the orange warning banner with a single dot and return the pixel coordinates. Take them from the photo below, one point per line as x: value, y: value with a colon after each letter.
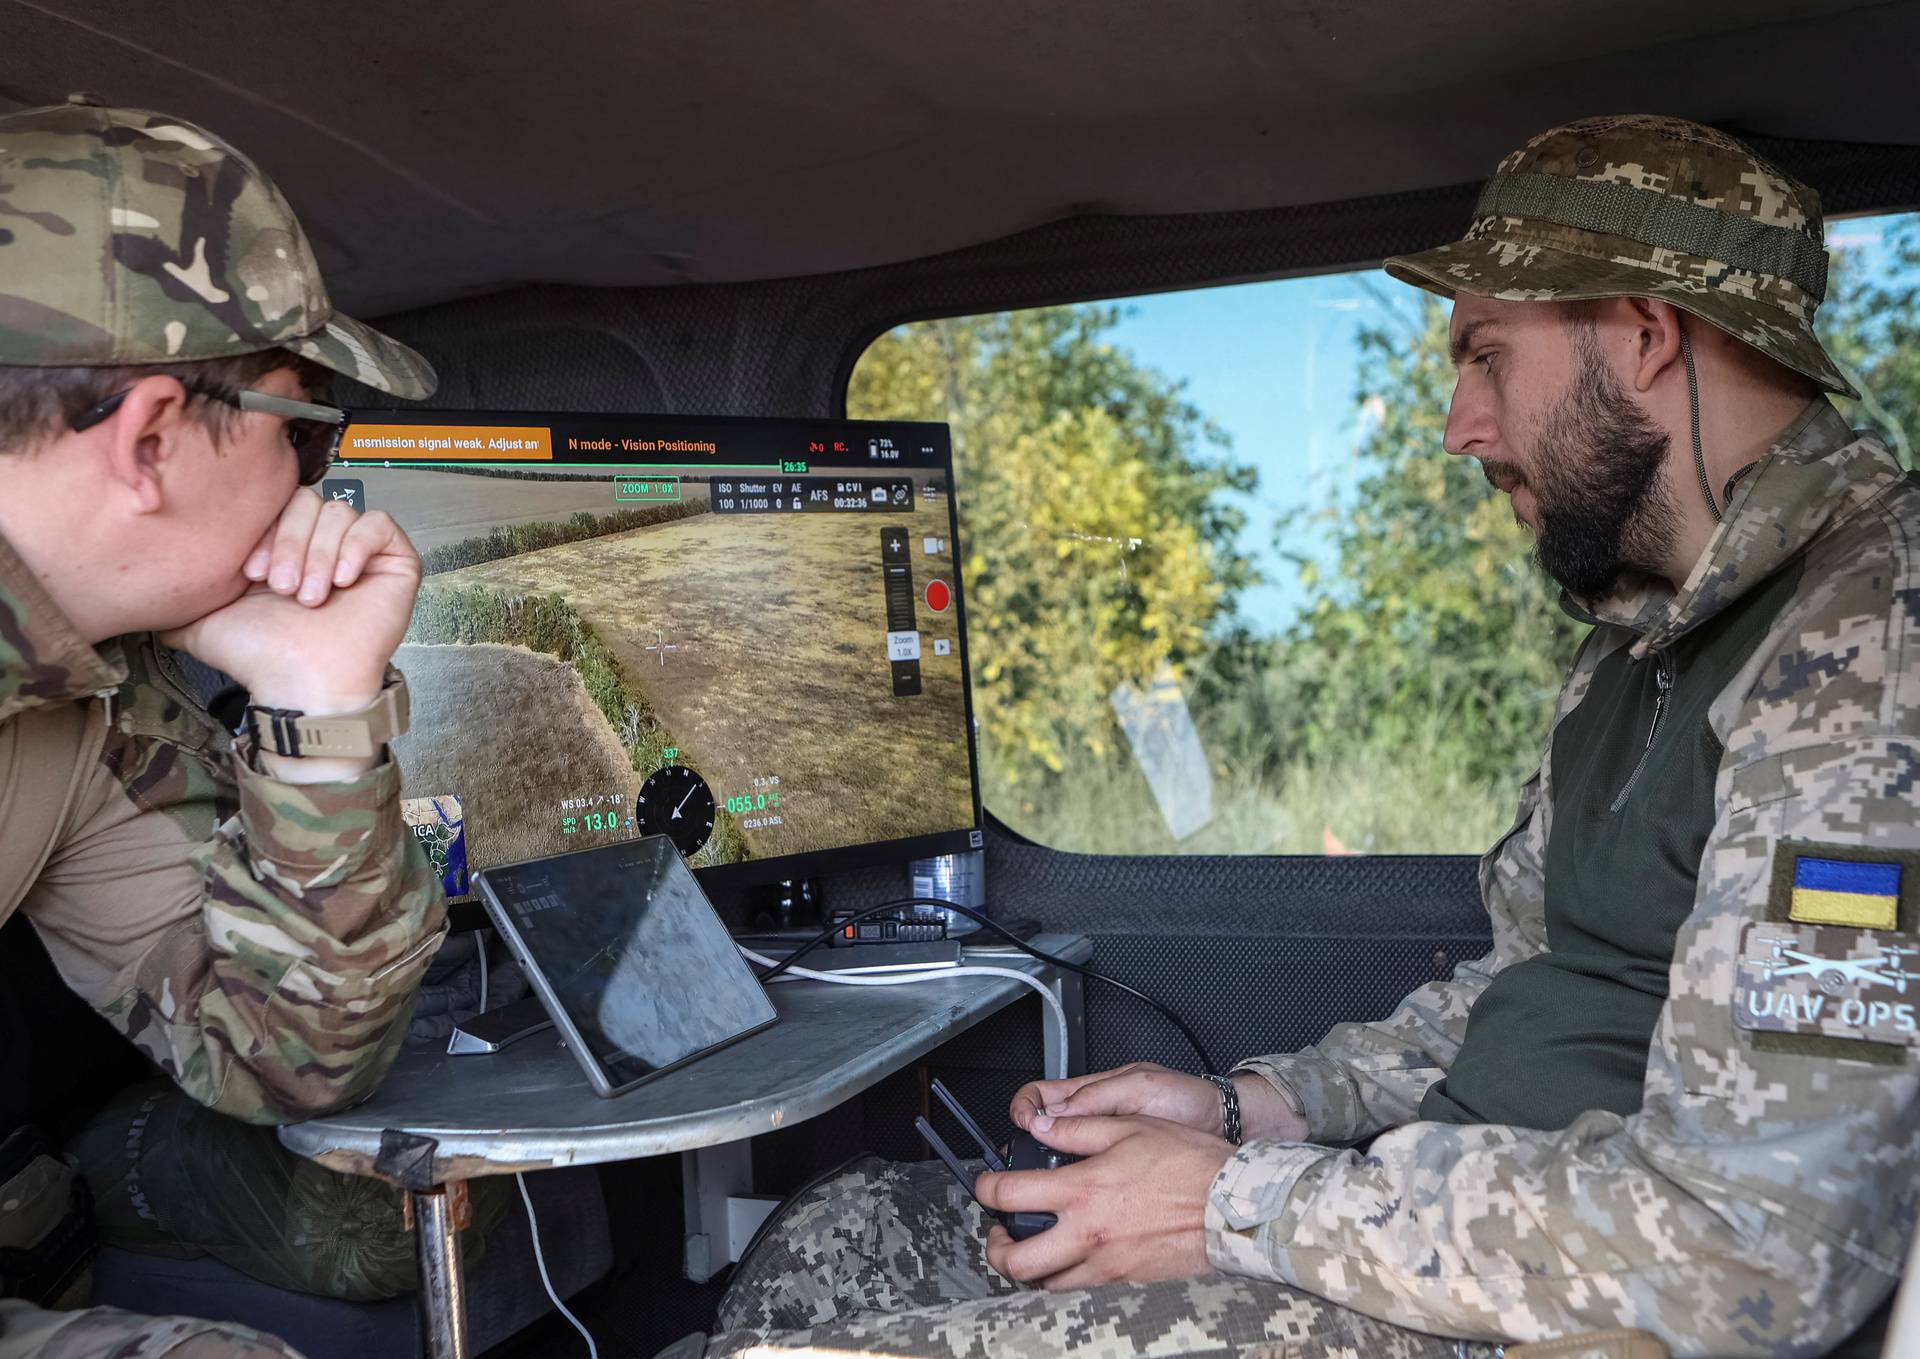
x: 475, y: 443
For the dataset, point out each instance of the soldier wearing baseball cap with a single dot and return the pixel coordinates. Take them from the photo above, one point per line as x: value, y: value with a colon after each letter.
x: 1676, y: 1101
x: 251, y: 914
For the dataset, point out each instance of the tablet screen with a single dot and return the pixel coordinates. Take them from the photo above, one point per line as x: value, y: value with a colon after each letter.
x: 627, y: 945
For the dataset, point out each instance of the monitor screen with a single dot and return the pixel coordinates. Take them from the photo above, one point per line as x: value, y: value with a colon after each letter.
x: 743, y: 634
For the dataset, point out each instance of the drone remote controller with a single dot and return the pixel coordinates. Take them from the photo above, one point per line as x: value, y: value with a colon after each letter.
x: 1024, y: 1152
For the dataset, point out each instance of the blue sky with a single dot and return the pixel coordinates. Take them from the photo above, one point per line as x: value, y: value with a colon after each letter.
x: 1274, y: 364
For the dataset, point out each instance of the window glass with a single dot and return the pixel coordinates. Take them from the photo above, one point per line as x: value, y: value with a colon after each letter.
x: 1870, y: 322
x: 1226, y: 594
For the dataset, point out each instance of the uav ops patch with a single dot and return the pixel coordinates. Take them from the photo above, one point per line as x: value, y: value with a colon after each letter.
x: 1828, y: 981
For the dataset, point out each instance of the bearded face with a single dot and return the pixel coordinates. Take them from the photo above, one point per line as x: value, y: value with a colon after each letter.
x: 1593, y: 469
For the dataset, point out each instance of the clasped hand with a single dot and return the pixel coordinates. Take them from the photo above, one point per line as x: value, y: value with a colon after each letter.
x: 1135, y: 1208
x: 329, y: 595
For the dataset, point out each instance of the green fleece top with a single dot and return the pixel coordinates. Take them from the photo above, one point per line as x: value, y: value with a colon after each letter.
x: 1567, y: 1030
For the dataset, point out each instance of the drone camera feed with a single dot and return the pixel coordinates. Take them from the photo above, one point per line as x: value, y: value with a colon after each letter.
x: 742, y: 634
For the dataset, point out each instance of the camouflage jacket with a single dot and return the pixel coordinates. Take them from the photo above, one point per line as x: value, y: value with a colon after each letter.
x: 260, y: 940
x: 1763, y: 1197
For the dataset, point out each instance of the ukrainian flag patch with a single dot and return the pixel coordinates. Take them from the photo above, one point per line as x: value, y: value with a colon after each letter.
x: 1845, y: 892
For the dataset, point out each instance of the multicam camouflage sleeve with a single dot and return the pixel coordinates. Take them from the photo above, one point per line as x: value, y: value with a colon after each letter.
x: 261, y: 941
x: 1366, y: 1077
x: 322, y: 914
x: 1764, y: 1196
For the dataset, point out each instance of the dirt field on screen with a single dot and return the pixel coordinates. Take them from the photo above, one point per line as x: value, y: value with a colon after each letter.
x: 436, y: 508
x: 511, y: 731
x: 779, y: 665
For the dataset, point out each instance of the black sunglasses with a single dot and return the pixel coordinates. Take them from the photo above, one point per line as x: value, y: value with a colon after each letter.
x: 314, y: 430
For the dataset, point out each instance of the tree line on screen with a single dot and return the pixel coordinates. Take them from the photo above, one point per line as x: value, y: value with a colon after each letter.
x: 510, y: 540
x: 1402, y: 707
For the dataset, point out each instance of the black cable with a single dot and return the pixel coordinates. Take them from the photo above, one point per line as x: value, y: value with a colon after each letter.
x: 1206, y: 1061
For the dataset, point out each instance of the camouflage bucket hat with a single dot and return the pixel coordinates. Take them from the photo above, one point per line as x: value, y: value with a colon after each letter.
x: 1641, y: 206
x: 128, y: 237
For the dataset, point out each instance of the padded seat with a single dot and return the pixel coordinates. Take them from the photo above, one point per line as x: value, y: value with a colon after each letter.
x: 504, y: 1294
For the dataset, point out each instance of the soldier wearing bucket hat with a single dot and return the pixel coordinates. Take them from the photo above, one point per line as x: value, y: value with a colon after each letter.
x: 1686, y: 219
x: 1633, y: 1115
x: 1653, y: 207
x: 252, y: 915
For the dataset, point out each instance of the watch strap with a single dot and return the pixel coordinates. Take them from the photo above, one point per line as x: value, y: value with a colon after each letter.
x: 356, y: 735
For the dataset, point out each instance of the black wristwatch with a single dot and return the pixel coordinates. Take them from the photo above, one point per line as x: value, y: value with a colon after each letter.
x: 355, y: 735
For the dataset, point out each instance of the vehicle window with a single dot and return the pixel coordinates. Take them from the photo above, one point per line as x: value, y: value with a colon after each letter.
x: 1226, y: 594
x: 1870, y: 322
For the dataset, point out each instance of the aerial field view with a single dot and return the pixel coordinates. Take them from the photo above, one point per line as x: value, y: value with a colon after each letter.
x: 565, y: 648
x: 504, y: 768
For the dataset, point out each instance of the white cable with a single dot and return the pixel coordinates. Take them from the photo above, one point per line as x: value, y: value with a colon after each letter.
x: 1058, y: 1011
x: 540, y: 1259
x: 480, y: 939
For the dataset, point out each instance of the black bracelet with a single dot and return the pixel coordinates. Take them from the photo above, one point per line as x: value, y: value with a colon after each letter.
x: 1229, y: 1108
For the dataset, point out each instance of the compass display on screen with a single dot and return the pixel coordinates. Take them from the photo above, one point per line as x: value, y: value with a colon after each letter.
x: 676, y: 802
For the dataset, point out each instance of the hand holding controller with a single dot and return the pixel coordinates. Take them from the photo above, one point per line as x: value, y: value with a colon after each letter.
x: 1024, y: 1152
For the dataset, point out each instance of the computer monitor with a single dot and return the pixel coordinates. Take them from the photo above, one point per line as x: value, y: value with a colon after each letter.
x: 745, y: 634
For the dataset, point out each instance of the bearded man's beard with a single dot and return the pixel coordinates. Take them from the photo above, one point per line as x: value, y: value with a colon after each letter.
x: 1595, y: 476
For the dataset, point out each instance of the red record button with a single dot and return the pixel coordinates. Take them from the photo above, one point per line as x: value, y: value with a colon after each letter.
x: 939, y: 595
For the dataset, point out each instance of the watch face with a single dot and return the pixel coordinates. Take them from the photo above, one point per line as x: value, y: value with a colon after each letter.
x: 676, y: 802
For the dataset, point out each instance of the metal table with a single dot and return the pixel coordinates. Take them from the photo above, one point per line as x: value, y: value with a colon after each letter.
x: 438, y: 1121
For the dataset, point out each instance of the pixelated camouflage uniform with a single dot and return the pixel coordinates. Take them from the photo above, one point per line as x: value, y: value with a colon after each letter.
x: 887, y: 1259
x: 108, y: 1331
x: 261, y: 941
x: 1762, y: 1198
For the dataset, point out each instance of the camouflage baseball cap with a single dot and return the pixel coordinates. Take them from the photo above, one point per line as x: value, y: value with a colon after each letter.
x: 129, y: 237
x: 1643, y: 206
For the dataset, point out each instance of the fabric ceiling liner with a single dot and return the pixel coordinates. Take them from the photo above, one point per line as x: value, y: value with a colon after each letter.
x: 438, y: 152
